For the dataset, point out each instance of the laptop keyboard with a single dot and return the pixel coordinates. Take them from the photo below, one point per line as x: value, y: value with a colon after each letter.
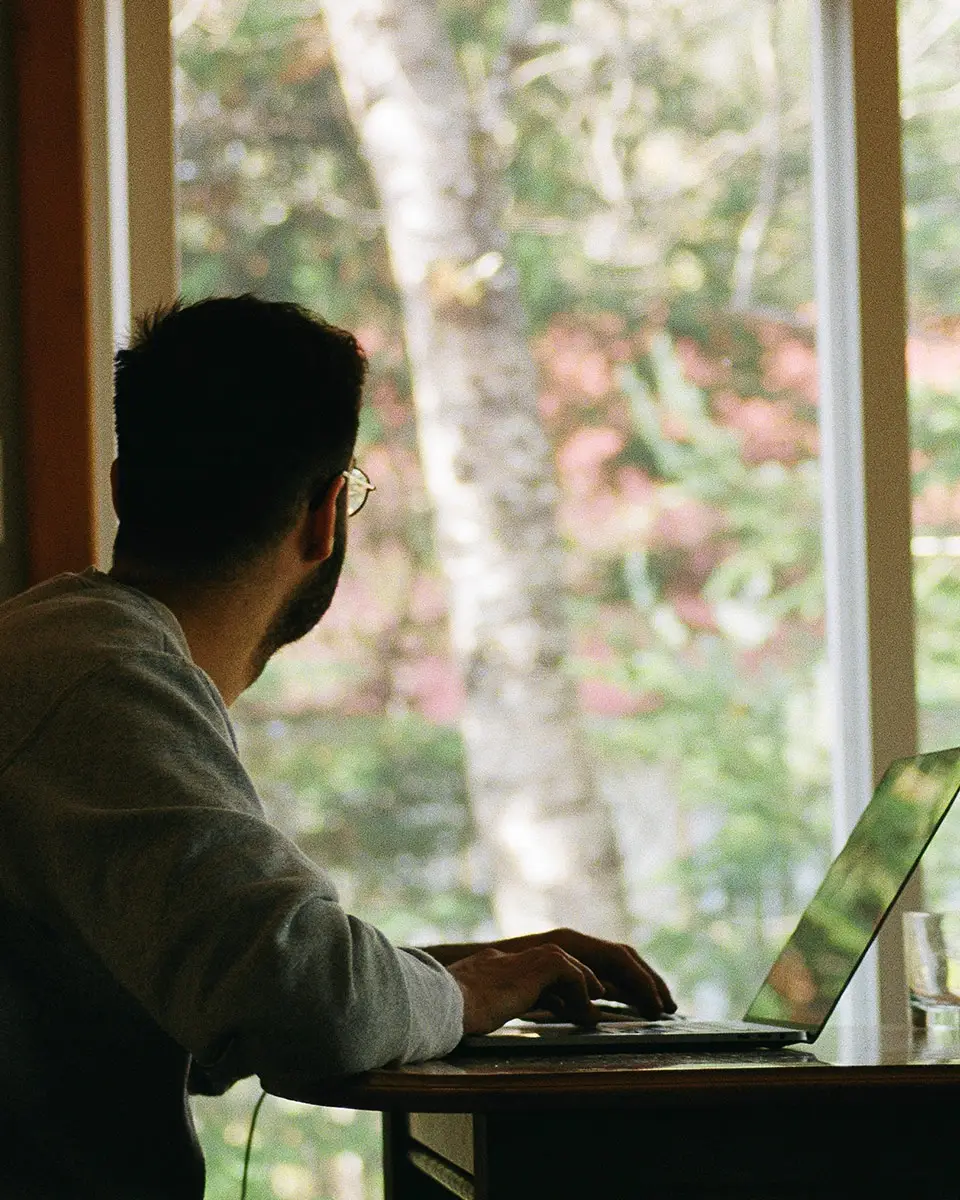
x: 670, y: 1024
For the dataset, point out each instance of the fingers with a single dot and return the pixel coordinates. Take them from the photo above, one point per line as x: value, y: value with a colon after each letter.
x: 634, y: 982
x: 511, y: 977
x: 652, y: 978
x: 568, y: 987
x: 625, y: 975
x: 497, y: 986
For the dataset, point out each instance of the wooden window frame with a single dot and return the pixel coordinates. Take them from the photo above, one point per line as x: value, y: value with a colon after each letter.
x: 55, y: 331
x: 94, y: 92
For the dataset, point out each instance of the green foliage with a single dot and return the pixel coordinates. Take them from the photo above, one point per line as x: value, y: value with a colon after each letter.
x: 274, y: 195
x: 386, y: 793
x: 930, y: 42
x: 655, y: 212
x: 298, y: 1150
x: 731, y: 702
x: 935, y: 425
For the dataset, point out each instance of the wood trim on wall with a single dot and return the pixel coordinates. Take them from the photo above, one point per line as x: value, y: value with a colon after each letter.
x: 13, y: 565
x: 55, y: 318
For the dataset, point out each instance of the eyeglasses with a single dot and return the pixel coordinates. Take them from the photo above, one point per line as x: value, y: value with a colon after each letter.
x: 359, y: 488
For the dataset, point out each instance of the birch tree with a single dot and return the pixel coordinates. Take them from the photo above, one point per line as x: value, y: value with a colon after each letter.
x: 546, y: 845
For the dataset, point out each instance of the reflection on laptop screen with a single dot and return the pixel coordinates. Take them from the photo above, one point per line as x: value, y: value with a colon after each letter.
x: 834, y: 933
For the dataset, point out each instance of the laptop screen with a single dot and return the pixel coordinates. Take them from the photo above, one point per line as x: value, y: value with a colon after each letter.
x: 842, y: 919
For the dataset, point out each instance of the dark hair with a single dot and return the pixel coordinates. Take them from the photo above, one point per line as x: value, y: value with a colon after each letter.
x: 231, y: 414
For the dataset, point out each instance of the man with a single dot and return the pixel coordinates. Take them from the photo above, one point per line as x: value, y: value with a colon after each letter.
x: 151, y: 922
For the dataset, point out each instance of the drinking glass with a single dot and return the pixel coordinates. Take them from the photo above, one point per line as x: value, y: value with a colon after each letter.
x: 931, y: 944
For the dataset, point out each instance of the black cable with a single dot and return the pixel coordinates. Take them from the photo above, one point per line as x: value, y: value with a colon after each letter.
x: 246, y: 1155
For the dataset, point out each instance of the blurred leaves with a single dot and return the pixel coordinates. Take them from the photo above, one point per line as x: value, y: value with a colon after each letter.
x: 380, y: 804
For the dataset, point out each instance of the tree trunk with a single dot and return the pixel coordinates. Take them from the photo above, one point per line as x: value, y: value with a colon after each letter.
x: 545, y: 838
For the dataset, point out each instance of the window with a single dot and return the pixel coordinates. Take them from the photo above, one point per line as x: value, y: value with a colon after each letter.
x: 644, y: 178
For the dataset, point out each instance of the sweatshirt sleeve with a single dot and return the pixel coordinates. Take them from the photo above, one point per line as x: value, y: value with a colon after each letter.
x: 137, y: 831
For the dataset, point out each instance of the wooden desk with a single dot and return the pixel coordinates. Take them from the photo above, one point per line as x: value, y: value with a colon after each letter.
x: 763, y: 1125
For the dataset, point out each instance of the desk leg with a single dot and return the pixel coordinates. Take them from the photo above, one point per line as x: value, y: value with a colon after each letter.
x: 401, y: 1179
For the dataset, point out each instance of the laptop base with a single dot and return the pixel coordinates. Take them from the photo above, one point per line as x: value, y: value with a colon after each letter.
x: 527, y: 1037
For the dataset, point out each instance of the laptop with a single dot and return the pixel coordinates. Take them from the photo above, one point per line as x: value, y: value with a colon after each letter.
x: 812, y: 970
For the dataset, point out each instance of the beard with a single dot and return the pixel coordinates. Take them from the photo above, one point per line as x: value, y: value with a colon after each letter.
x: 306, y: 605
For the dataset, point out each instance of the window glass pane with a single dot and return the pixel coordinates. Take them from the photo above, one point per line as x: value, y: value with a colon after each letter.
x: 929, y: 45
x: 574, y: 670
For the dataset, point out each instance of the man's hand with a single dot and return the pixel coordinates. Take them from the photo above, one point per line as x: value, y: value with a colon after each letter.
x: 568, y: 969
x: 497, y: 986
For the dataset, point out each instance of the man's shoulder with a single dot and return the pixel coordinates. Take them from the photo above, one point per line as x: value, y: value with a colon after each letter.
x: 85, y: 618
x: 64, y: 635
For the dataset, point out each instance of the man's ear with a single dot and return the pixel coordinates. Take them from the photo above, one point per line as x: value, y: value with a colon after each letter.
x: 114, y: 472
x: 321, y: 524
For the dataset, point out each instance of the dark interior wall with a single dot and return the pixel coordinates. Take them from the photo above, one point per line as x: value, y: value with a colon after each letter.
x: 12, y: 528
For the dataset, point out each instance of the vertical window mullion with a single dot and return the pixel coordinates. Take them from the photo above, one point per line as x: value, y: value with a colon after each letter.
x: 106, y: 187
x: 864, y: 425
x: 151, y: 192
x: 130, y: 180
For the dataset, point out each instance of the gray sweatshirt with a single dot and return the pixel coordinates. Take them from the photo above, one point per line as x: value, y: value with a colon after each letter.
x: 150, y: 917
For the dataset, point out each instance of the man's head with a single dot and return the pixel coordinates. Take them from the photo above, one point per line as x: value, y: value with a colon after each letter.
x: 232, y: 415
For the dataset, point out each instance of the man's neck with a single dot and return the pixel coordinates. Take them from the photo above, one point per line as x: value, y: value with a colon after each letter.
x: 224, y: 623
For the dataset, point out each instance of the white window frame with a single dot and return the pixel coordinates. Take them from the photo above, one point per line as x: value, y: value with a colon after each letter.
x: 861, y: 299
x: 129, y: 100
x: 858, y: 204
